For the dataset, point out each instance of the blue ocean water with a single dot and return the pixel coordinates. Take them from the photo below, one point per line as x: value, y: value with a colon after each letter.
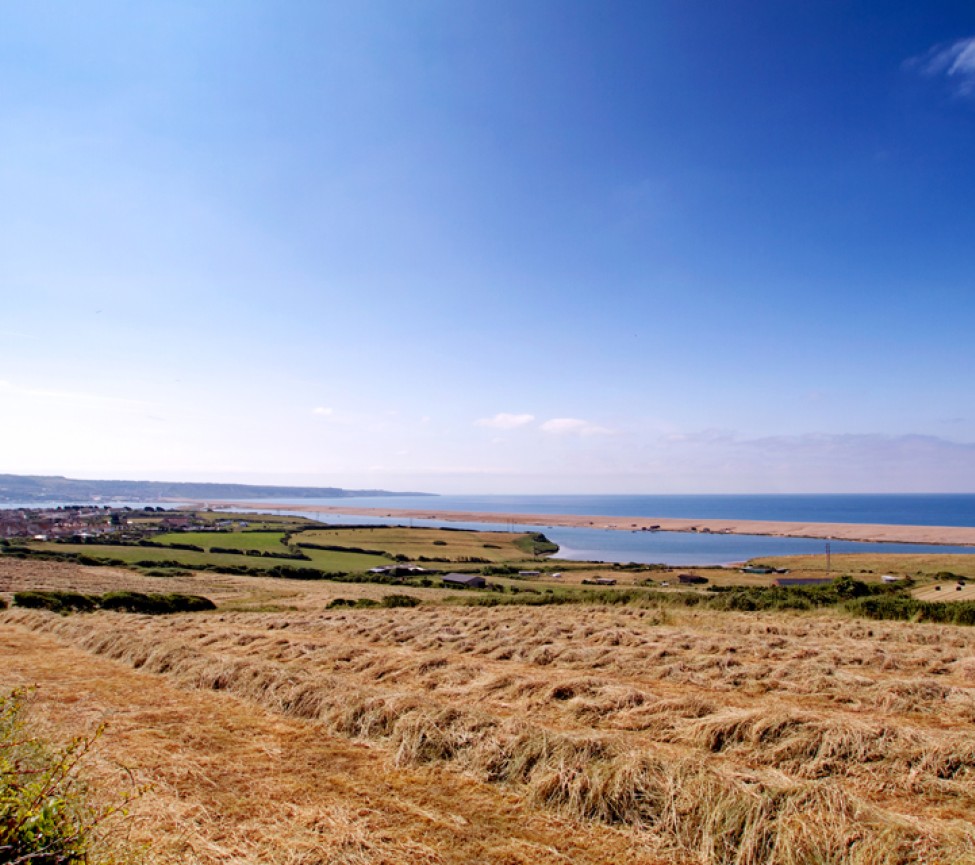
x: 934, y: 509
x: 686, y: 548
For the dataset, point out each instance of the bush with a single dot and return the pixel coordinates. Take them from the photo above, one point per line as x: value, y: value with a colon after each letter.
x: 905, y: 607
x: 339, y: 602
x: 44, y: 819
x: 126, y: 602
x: 58, y: 602
x: 400, y: 601
x: 152, y: 604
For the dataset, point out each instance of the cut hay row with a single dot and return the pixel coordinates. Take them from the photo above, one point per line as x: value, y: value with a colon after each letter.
x: 703, y: 791
x: 805, y: 744
x: 875, y: 674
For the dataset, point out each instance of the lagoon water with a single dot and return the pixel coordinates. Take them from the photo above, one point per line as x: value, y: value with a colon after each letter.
x: 682, y: 548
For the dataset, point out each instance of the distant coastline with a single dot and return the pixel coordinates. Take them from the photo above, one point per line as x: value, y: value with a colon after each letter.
x: 866, y: 532
x: 41, y: 489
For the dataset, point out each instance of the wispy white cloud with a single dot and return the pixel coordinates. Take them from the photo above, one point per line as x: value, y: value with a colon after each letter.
x: 8, y: 388
x: 503, y: 420
x: 573, y: 426
x: 956, y: 62
x: 323, y: 411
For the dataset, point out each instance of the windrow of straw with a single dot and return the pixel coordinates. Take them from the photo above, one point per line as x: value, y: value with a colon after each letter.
x: 704, y: 796
x: 803, y: 743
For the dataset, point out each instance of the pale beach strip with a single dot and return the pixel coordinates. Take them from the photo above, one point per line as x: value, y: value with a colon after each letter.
x: 944, y: 535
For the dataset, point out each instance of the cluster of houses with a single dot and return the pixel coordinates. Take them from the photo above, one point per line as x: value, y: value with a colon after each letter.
x: 97, y: 521
x: 46, y: 524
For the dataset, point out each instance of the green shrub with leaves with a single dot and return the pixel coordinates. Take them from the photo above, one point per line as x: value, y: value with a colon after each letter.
x: 57, y: 601
x: 125, y: 602
x: 153, y: 604
x: 44, y: 818
x: 400, y: 601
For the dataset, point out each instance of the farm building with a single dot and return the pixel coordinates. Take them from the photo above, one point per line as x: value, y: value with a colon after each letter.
x: 466, y: 581
x: 803, y: 581
x: 398, y: 570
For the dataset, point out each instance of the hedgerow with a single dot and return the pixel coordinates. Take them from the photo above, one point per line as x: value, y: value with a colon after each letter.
x: 129, y: 602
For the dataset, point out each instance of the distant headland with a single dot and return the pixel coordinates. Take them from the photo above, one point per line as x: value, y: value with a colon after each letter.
x: 26, y: 489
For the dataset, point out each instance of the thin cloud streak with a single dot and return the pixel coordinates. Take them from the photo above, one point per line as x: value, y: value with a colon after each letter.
x: 503, y: 420
x: 9, y: 389
x: 955, y: 62
x: 573, y: 426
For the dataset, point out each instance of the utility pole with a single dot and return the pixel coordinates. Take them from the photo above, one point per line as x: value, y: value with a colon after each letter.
x: 828, y: 561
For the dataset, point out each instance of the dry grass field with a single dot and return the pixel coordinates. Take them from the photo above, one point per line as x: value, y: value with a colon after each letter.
x: 871, y: 566
x: 437, y: 543
x: 511, y: 735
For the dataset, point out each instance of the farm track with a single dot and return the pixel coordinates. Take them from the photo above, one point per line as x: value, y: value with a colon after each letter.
x: 726, y: 738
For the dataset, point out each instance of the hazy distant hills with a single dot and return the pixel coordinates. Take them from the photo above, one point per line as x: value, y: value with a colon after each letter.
x: 36, y: 488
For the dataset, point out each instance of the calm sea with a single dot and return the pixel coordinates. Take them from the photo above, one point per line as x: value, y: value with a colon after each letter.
x: 679, y: 548
x: 907, y: 509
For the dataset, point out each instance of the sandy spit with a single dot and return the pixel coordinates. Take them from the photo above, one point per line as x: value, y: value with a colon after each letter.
x: 950, y: 535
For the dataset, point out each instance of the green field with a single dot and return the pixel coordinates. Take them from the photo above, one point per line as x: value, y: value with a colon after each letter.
x: 285, y: 522
x: 263, y: 541
x: 325, y: 560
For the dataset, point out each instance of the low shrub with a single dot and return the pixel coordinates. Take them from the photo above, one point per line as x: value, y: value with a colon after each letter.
x: 904, y: 607
x: 339, y: 602
x: 155, y: 604
x: 400, y: 601
x: 44, y: 818
x: 58, y: 602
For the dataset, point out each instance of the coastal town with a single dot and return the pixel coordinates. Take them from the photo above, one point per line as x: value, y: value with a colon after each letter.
x: 79, y: 523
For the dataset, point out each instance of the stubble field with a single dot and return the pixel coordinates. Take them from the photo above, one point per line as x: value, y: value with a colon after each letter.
x: 519, y: 735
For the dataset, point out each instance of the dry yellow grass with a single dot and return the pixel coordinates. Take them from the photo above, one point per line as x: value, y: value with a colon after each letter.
x: 234, y: 783
x: 592, y: 734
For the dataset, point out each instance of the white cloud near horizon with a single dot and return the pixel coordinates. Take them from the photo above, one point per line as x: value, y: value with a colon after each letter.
x: 323, y: 411
x: 955, y: 62
x: 504, y: 420
x: 573, y: 426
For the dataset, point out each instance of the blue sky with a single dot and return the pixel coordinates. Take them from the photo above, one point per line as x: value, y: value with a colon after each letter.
x: 529, y: 246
